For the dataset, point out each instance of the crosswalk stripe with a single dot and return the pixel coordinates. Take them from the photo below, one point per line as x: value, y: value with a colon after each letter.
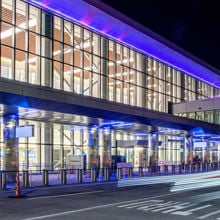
x: 198, y: 208
x: 162, y: 208
x: 153, y: 206
x: 209, y: 214
x: 172, y: 207
x: 146, y: 208
x: 136, y: 203
x: 140, y: 204
x: 179, y: 207
x: 189, y: 212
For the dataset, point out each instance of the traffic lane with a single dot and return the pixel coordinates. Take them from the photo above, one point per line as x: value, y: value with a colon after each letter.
x: 37, y: 205
x: 100, y: 199
x: 167, y: 206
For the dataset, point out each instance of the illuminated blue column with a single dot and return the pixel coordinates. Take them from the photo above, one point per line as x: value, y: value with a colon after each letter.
x: 92, y: 152
x: 153, y: 145
x: 105, y: 147
x: 188, y: 143
x: 10, y: 156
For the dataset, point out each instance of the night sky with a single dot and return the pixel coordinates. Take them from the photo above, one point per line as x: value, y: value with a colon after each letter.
x: 194, y: 25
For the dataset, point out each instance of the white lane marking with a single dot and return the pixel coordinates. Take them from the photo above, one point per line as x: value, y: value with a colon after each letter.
x: 95, y: 207
x: 189, y: 212
x: 66, y: 195
x: 179, y: 207
x: 158, y: 207
x: 146, y: 207
x: 135, y: 206
x: 165, y: 206
x: 209, y: 214
x: 138, y: 203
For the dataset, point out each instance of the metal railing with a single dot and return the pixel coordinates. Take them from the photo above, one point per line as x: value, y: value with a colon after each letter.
x: 30, y: 178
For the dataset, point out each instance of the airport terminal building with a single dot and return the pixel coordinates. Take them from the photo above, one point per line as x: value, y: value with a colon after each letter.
x: 81, y: 80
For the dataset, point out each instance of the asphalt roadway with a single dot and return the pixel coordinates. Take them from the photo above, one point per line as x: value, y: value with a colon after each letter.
x: 114, y: 201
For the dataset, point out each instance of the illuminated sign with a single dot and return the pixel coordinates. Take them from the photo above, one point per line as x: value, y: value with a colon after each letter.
x: 24, y: 131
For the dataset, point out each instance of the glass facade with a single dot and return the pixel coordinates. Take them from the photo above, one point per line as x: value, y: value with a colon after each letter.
x: 43, y: 49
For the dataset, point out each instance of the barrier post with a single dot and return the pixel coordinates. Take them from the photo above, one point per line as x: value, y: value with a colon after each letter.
x: 93, y: 174
x: 150, y: 171
x: 106, y: 173
x: 130, y: 172
x: 140, y: 171
x: 118, y: 173
x: 180, y: 168
x: 79, y: 175
x: 63, y: 176
x: 18, y: 187
x: 166, y: 169
x: 45, y: 178
x: 3, y: 180
x: 158, y: 170
x: 25, y: 178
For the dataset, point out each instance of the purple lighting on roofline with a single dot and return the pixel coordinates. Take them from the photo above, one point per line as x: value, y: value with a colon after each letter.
x: 105, y: 24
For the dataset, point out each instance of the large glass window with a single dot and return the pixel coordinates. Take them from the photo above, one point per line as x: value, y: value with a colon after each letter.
x: 40, y: 48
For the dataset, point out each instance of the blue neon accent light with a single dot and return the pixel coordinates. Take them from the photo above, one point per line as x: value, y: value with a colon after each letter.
x: 97, y: 20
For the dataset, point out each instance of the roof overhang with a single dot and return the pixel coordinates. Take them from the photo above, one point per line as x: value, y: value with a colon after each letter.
x: 14, y: 94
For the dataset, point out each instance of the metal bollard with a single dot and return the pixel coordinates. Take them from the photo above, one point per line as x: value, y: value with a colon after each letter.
x: 166, y: 169
x: 107, y: 173
x: 3, y: 180
x: 140, y: 171
x: 173, y: 169
x: 118, y: 173
x: 189, y: 168
x: 25, y: 178
x: 203, y: 167
x: 197, y: 168
x: 180, y: 167
x: 63, y: 176
x: 79, y: 175
x: 150, y: 171
x: 93, y: 175
x: 130, y: 172
x: 158, y: 170
x: 45, y: 178
x: 208, y: 166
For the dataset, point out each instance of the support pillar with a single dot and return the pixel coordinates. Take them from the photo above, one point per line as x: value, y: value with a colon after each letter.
x: 92, y: 152
x: 10, y: 158
x: 46, y: 149
x: 188, y: 148
x: 105, y: 148
x: 153, y: 145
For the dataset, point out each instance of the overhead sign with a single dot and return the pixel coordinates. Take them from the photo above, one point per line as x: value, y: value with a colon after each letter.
x: 24, y: 131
